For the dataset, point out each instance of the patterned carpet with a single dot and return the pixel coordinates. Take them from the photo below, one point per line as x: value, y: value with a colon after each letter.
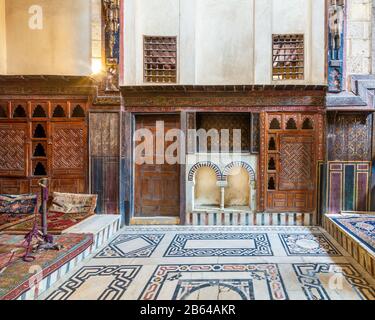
x: 57, y: 223
x: 16, y: 278
x: 215, y: 263
x: 360, y: 227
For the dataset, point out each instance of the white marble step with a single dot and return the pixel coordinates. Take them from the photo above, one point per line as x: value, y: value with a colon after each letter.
x: 101, y: 226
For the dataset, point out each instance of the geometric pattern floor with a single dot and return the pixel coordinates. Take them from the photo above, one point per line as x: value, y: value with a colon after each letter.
x: 218, y: 263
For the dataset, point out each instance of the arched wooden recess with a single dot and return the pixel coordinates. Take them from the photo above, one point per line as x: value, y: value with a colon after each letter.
x: 291, y: 124
x: 39, y: 151
x: 19, y: 112
x: 3, y: 112
x: 272, y: 144
x: 308, y: 124
x: 39, y: 132
x: 40, y: 169
x: 39, y: 112
x: 78, y: 112
x: 275, y: 124
x: 59, y: 112
x: 271, y: 164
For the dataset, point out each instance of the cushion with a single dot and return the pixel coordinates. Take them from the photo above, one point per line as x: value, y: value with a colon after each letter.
x: 18, y: 204
x: 73, y: 203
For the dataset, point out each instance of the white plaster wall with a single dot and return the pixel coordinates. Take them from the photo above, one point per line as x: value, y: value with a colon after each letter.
x: 225, y: 41
x: 62, y: 47
x: 2, y: 38
x: 358, y: 37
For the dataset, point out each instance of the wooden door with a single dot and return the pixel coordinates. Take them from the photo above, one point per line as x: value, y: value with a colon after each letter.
x: 157, y: 186
x: 290, y: 162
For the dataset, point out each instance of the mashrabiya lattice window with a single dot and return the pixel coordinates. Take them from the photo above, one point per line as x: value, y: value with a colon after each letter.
x: 288, y: 57
x: 160, y: 57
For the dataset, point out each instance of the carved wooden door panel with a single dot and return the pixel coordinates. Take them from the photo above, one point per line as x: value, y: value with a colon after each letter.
x: 290, y: 153
x: 157, y: 186
x: 69, y: 155
x: 296, y: 163
x: 13, y: 149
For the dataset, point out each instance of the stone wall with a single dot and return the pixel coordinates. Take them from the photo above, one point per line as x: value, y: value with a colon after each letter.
x: 359, y: 37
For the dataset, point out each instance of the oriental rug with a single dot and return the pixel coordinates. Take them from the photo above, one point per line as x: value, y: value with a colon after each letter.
x: 360, y: 227
x: 18, y: 277
x: 57, y: 223
x: 8, y: 220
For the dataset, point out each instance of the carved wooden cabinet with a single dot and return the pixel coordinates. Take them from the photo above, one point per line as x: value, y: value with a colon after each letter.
x: 291, y: 147
x: 43, y: 138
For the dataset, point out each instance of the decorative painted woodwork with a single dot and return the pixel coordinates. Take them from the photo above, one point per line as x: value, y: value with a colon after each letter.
x: 348, y: 186
x: 336, y: 19
x: 349, y: 136
x: 111, y: 17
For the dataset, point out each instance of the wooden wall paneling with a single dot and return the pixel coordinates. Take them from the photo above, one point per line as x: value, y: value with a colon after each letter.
x: 255, y: 132
x: 126, y: 167
x: 14, y: 186
x: 183, y: 148
x: 191, y: 124
x: 69, y: 149
x: 14, y: 149
x: 104, y: 154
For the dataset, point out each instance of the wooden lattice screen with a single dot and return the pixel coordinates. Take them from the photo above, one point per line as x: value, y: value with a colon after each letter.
x: 288, y: 57
x: 160, y: 57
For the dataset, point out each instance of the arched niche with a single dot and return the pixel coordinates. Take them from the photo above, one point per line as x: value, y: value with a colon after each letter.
x: 40, y: 170
x: 19, y: 112
x: 58, y: 112
x: 291, y: 124
x: 78, y: 112
x: 237, y: 192
x: 308, y: 124
x: 206, y: 190
x: 39, y: 132
x: 39, y: 151
x: 3, y: 112
x: 39, y: 112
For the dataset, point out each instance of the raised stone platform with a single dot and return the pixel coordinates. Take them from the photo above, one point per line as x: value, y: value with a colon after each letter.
x: 235, y: 218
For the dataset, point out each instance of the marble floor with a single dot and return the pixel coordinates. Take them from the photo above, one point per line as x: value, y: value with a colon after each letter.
x: 216, y: 263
